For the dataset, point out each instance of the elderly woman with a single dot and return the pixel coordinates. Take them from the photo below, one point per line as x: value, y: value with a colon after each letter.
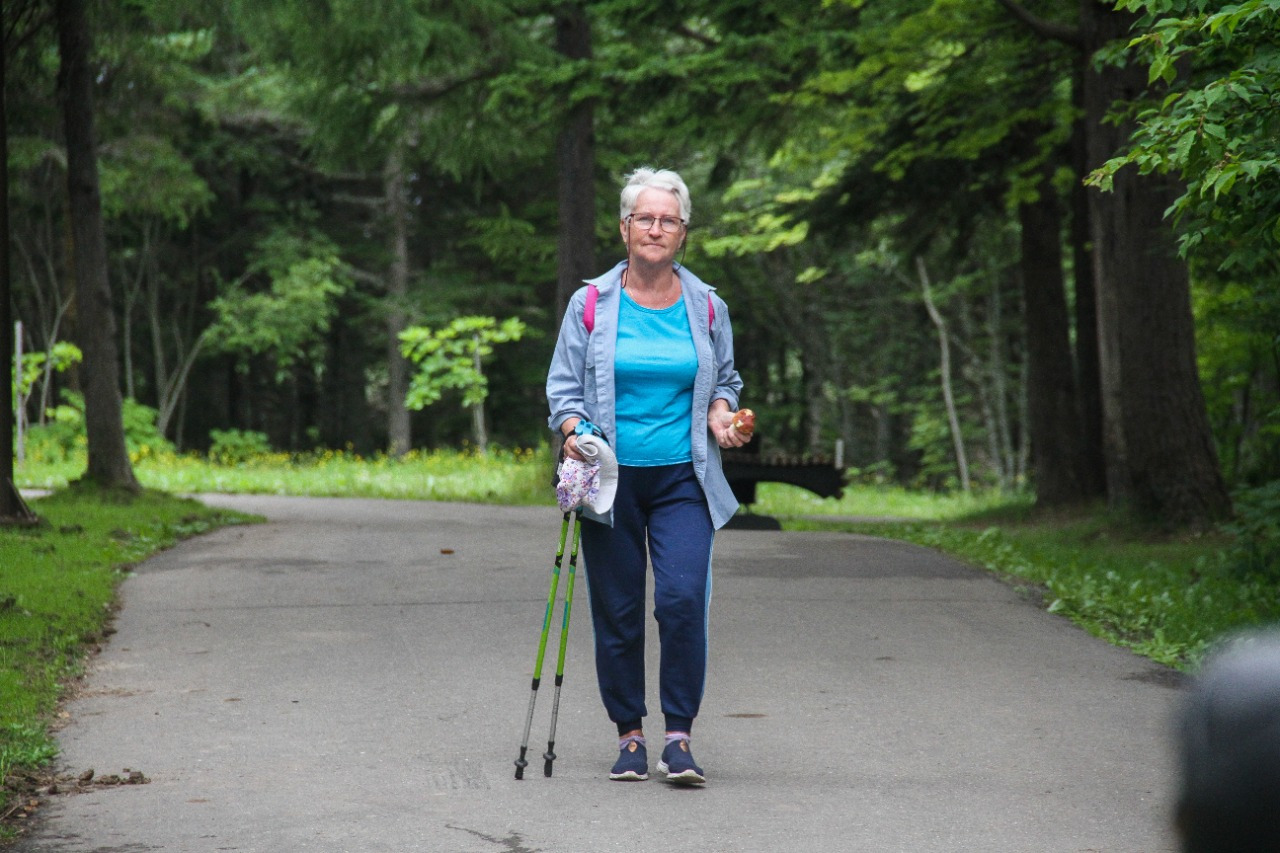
x: 645, y: 358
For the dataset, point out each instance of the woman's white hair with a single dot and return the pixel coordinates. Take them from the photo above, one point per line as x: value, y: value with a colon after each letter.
x: 661, y: 179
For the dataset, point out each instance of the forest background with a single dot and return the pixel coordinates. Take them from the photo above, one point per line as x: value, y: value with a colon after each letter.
x: 979, y: 243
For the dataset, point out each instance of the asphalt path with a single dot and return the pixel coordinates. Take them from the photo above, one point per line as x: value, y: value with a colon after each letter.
x: 353, y: 675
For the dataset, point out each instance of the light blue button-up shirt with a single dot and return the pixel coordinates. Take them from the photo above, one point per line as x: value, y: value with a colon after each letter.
x: 580, y: 382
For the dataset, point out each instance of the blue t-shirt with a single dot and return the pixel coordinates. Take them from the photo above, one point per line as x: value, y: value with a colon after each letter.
x: 654, y: 369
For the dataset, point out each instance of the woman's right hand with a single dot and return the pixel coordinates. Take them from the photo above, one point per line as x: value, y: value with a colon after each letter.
x: 571, y: 440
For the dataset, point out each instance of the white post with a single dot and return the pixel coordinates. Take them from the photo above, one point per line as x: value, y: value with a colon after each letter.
x: 19, y: 409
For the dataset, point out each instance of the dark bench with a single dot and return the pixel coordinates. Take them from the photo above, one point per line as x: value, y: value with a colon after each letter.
x: 746, y: 467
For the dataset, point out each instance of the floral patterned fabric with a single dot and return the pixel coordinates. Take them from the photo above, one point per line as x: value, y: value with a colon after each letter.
x: 579, y: 484
x: 592, y: 484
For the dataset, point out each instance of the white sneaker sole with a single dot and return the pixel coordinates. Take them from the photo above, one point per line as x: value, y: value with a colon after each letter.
x: 629, y: 776
x: 684, y: 777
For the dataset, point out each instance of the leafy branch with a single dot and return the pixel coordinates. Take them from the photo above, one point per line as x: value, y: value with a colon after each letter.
x: 452, y: 358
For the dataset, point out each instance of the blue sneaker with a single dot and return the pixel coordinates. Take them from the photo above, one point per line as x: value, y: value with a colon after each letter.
x: 678, y: 765
x: 632, y: 764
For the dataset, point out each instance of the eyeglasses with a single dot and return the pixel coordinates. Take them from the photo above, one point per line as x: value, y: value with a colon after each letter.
x: 670, y: 224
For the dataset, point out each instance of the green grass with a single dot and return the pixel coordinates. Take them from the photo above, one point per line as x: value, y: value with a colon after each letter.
x: 872, y: 502
x: 500, y: 476
x: 58, y: 586
x: 1167, y: 597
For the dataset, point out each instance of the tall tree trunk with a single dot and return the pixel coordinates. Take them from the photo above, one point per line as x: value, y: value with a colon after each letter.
x: 1160, y: 455
x: 10, y: 501
x: 948, y: 398
x: 1092, y: 466
x: 479, y: 425
x: 1053, y: 413
x: 980, y: 375
x: 1024, y: 417
x: 109, y: 464
x: 575, y: 166
x: 399, y: 439
x: 997, y: 369
x: 818, y: 367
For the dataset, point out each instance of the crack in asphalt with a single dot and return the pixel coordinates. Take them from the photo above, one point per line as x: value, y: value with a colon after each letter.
x: 513, y: 843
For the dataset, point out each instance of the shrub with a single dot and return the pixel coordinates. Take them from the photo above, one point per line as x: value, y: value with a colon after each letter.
x: 62, y: 437
x: 1256, y: 530
x: 236, y: 446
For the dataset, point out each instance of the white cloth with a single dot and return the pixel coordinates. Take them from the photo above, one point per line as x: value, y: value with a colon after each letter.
x: 593, y: 483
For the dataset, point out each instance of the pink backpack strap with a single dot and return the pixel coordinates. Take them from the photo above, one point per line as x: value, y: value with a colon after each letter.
x: 589, y: 310
x: 711, y: 313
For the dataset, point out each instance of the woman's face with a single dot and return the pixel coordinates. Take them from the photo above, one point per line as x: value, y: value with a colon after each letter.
x: 653, y: 244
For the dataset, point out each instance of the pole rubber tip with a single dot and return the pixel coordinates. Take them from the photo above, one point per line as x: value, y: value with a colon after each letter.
x: 548, y: 757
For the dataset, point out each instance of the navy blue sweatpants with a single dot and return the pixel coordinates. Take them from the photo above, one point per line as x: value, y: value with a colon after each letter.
x: 660, y: 514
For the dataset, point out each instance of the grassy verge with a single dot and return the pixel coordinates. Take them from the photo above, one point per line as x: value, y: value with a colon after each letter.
x: 58, y: 584
x: 500, y: 476
x: 885, y: 502
x: 1167, y: 597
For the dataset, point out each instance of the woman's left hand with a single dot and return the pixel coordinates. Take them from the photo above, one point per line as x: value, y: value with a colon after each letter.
x: 720, y: 421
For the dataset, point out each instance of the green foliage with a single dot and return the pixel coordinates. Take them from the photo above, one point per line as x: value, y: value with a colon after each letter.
x: 933, y: 81
x: 24, y: 745
x: 147, y: 176
x: 1219, y: 126
x: 914, y: 132
x: 141, y: 436
x: 286, y: 319
x: 34, y: 364
x: 62, y: 438
x: 931, y: 439
x: 366, y: 78
x: 452, y: 357
x: 237, y: 446
x: 1256, y: 529
x: 1238, y: 332
x: 513, y: 242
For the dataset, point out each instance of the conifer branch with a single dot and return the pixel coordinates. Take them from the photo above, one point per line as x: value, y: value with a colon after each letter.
x: 1045, y: 29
